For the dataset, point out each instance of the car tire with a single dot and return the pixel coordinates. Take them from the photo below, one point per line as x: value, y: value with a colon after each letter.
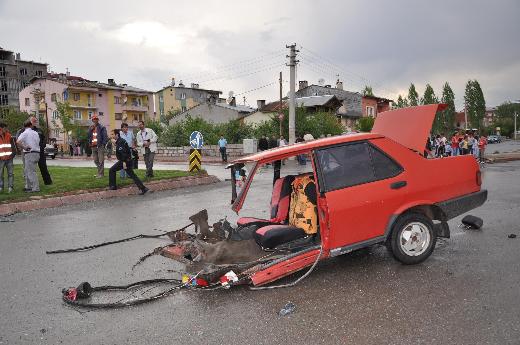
x: 412, y: 239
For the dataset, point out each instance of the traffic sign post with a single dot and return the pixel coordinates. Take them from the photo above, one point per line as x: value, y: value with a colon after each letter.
x: 195, y: 158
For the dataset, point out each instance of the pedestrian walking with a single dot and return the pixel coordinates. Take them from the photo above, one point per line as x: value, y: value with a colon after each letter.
x: 272, y: 142
x: 128, y: 136
x: 124, y: 161
x: 42, y: 162
x: 7, y: 153
x: 29, y: 141
x: 222, y: 146
x: 281, y: 143
x: 97, y: 139
x: 147, y: 142
x: 482, y: 143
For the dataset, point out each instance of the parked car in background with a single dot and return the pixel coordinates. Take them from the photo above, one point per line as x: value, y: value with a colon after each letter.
x: 50, y: 151
x: 493, y: 139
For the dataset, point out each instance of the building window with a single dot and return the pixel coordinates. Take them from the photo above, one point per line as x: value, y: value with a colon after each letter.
x: 65, y: 95
x: 90, y: 113
x: 53, y: 97
x: 39, y: 73
x: 2, y: 71
x: 370, y: 111
x: 183, y: 109
x: 27, y: 102
x: 101, y: 113
x: 117, y: 100
x: 55, y: 115
x: 3, y: 85
x: 89, y: 100
x: 183, y: 95
x: 118, y: 116
x: 100, y: 95
x: 23, y: 71
x: 77, y: 115
x: 140, y: 117
x: 4, y: 100
x: 56, y: 132
x: 75, y: 96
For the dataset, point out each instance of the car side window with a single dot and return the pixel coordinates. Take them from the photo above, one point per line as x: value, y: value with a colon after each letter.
x: 384, y: 166
x: 345, y: 166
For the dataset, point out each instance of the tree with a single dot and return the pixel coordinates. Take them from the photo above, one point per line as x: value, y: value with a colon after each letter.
x: 447, y: 116
x: 429, y: 96
x: 413, y: 96
x: 66, y: 122
x: 475, y: 103
x: 401, y: 102
x: 14, y: 119
x: 367, y: 91
x: 365, y: 124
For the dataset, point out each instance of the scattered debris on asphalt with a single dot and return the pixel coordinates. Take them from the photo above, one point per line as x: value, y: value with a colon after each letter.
x: 6, y: 220
x: 511, y: 236
x: 287, y: 309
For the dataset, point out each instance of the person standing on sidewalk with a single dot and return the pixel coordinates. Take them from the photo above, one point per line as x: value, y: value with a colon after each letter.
x: 128, y: 136
x: 97, y: 139
x: 124, y: 161
x: 29, y: 141
x: 42, y: 163
x: 7, y: 153
x: 222, y: 146
x: 147, y: 142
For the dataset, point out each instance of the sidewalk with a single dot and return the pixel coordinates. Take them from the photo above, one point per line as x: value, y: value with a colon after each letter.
x: 76, y: 197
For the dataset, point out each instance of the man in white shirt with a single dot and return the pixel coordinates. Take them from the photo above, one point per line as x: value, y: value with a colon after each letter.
x: 147, y: 142
x: 29, y: 141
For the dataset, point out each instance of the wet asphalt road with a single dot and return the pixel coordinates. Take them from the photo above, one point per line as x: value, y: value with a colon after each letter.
x: 467, y: 292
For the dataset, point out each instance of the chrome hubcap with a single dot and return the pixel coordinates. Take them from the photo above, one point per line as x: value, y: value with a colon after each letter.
x: 415, y: 239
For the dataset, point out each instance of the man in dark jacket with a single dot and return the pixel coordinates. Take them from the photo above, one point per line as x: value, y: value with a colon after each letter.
x: 124, y: 161
x: 97, y: 139
x: 42, y: 163
x: 263, y: 144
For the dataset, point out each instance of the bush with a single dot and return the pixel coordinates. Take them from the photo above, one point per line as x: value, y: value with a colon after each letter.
x: 365, y: 124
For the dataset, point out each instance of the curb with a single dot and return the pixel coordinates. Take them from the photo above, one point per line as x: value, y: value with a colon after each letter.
x: 503, y: 157
x: 31, y: 205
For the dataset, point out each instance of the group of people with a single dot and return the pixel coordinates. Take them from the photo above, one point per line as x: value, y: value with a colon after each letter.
x: 126, y: 150
x: 460, y: 143
x: 31, y: 140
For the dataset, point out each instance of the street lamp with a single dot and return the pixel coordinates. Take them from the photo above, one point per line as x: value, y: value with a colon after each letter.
x: 515, y: 116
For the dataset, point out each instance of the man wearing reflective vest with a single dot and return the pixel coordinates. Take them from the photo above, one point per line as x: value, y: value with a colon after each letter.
x: 7, y: 153
x: 97, y: 139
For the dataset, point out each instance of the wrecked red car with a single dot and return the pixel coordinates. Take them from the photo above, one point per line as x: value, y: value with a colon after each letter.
x: 327, y: 197
x: 360, y: 190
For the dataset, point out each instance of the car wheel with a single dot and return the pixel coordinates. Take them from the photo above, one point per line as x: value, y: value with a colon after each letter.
x: 412, y: 239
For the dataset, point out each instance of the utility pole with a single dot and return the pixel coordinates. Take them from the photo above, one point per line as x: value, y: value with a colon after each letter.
x: 292, y: 99
x: 280, y: 115
x: 465, y: 116
x: 515, y: 125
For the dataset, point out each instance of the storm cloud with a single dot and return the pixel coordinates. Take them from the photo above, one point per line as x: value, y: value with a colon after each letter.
x: 240, y: 45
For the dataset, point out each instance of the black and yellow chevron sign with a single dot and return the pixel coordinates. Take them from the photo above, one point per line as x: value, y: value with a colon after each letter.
x: 195, y: 160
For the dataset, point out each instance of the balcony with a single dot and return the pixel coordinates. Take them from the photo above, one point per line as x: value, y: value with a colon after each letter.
x: 82, y: 122
x: 134, y: 106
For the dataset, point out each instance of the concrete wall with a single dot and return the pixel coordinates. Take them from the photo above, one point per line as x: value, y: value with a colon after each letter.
x: 258, y: 117
x: 233, y: 150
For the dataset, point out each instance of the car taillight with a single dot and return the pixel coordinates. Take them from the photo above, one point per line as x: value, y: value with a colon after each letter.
x: 479, y: 178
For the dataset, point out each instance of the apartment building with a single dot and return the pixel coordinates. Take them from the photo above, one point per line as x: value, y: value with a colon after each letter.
x: 181, y: 98
x: 15, y: 74
x: 113, y: 103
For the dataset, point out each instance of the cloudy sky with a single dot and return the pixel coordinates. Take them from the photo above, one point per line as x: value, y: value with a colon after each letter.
x: 239, y: 46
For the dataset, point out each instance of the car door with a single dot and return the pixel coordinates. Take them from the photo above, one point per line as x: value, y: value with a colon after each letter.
x: 362, y: 186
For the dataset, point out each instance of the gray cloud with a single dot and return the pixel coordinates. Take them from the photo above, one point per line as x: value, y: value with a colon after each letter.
x: 385, y: 44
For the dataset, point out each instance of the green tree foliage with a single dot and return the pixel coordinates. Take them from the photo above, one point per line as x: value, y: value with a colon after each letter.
x: 446, y: 118
x: 317, y: 124
x: 475, y: 103
x: 367, y: 91
x: 413, y: 96
x: 429, y: 96
x: 365, y: 124
x: 156, y: 125
x: 66, y: 122
x: 504, y: 118
x: 401, y: 102
x: 14, y: 119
